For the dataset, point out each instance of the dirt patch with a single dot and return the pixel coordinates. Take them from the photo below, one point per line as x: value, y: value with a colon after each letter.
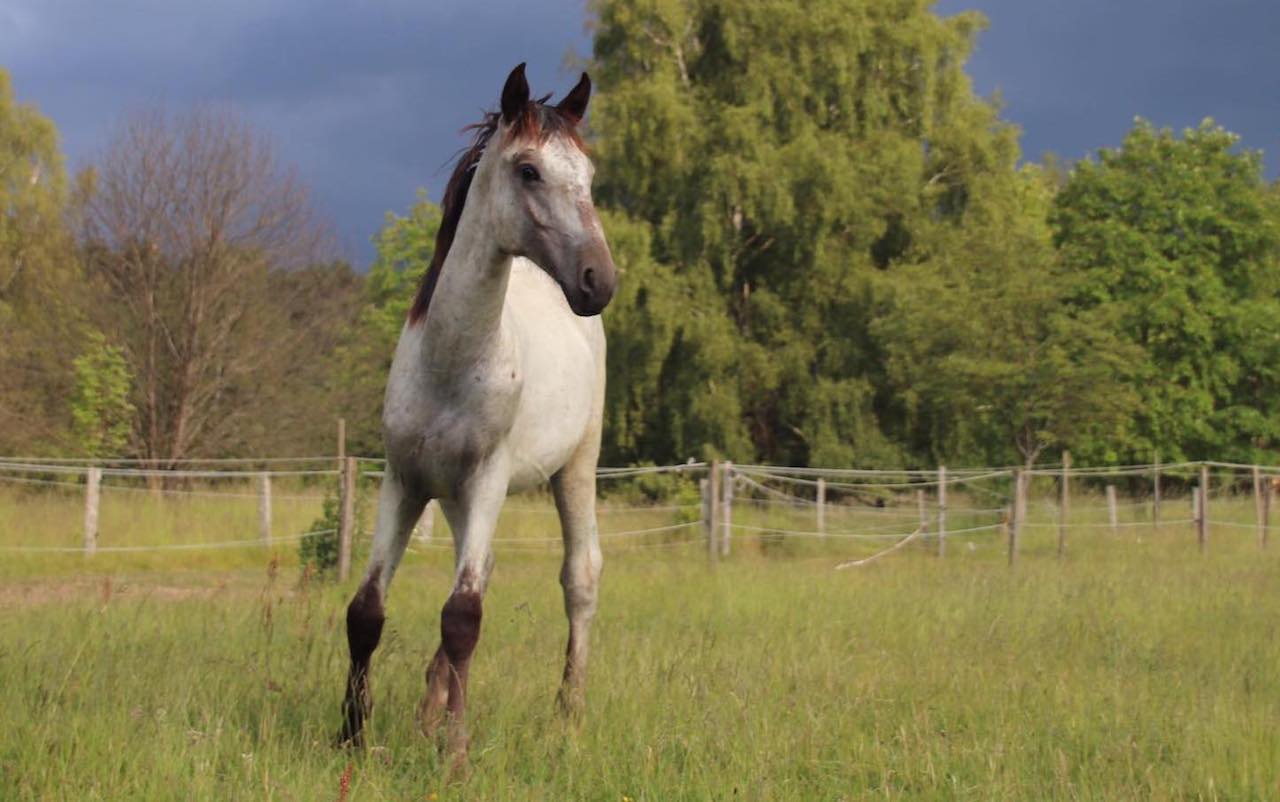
x: 63, y: 590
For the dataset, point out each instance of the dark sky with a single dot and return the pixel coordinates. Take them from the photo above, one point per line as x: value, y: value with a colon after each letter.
x: 366, y: 99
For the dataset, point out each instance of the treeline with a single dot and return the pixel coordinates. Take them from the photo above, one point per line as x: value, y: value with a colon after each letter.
x: 831, y: 255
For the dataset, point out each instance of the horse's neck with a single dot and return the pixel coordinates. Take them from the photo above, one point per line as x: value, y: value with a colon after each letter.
x: 463, y: 325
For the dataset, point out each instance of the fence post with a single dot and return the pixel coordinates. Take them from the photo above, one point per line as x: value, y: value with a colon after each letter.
x: 1019, y: 512
x: 924, y: 515
x: 1268, y: 496
x: 1064, y: 507
x: 347, y: 524
x: 1202, y: 520
x: 426, y: 525
x: 92, y: 487
x: 713, y: 511
x: 264, y: 506
x: 1257, y: 503
x: 1155, y: 490
x: 1006, y: 526
x: 822, y: 506
x: 726, y: 487
x: 942, y: 510
x: 1111, y: 510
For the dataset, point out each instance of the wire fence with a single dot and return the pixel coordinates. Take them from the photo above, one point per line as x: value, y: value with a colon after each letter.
x: 67, y: 506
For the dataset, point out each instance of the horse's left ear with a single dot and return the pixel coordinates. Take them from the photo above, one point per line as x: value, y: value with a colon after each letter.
x: 575, y: 103
x: 515, y: 95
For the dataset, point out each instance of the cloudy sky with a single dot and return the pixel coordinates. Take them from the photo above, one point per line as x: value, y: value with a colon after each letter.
x: 366, y: 99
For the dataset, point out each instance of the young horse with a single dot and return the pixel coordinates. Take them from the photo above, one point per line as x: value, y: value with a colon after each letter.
x: 497, y: 385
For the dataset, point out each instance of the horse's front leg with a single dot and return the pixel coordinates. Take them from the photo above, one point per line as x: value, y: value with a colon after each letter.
x: 473, y: 517
x: 575, y: 493
x: 398, y: 510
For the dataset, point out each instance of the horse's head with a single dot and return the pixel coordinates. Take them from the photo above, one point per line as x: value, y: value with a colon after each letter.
x: 539, y: 185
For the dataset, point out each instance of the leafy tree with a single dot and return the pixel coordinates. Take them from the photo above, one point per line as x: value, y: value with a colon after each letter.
x: 988, y: 361
x: 783, y: 156
x: 404, y: 249
x: 37, y: 280
x: 101, y: 412
x: 1178, y: 241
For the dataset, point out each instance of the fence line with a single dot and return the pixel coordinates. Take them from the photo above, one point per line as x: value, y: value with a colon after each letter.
x: 917, y: 495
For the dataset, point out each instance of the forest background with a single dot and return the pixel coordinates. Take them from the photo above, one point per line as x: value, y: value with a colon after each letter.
x: 833, y: 254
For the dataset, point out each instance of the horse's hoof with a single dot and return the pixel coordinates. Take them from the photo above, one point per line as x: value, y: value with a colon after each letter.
x: 570, y: 702
x: 348, y: 739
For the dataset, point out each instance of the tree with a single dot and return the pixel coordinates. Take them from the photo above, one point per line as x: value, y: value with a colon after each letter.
x: 404, y: 249
x: 187, y: 232
x: 102, y: 415
x: 783, y: 157
x: 1178, y: 241
x: 987, y: 359
x: 38, y: 314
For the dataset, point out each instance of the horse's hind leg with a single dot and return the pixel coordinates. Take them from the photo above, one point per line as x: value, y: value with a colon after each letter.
x: 575, y: 493
x: 398, y: 510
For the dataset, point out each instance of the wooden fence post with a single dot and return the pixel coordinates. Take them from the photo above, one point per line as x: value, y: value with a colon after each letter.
x: 821, y: 508
x: 1112, y: 515
x: 92, y: 489
x: 1155, y: 493
x: 264, y: 507
x: 1268, y: 496
x: 713, y: 511
x: 1257, y: 503
x: 426, y: 525
x: 1202, y: 521
x: 1064, y: 507
x: 942, y: 510
x: 924, y: 514
x: 1019, y: 513
x: 347, y: 524
x: 726, y: 488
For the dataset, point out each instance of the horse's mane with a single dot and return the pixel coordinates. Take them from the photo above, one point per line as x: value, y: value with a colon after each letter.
x: 538, y: 122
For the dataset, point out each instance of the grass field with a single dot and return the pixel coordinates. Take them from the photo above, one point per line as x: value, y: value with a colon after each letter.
x: 1133, y: 669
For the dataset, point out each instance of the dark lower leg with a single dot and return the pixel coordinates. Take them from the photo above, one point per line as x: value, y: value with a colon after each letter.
x: 365, y: 617
x: 459, y: 632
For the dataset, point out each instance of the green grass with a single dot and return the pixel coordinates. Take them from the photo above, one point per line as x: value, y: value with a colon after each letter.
x: 1133, y: 669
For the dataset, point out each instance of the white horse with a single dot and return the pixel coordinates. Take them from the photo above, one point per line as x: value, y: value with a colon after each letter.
x: 497, y: 386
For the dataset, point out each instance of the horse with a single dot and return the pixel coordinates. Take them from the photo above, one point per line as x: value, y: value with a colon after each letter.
x: 496, y: 386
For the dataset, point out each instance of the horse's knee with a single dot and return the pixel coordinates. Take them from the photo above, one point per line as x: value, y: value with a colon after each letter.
x: 460, y: 626
x: 581, y: 581
x: 365, y: 617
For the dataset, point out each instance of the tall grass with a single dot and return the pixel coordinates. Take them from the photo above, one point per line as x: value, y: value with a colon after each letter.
x: 1132, y: 669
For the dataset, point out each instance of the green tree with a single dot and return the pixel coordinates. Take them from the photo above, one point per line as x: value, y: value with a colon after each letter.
x: 1178, y: 240
x: 404, y: 249
x: 989, y: 363
x: 38, y: 291
x: 101, y: 413
x: 783, y: 157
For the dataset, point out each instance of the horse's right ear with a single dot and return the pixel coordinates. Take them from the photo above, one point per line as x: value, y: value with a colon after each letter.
x: 515, y: 95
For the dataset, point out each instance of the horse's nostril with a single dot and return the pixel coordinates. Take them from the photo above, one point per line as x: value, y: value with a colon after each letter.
x: 589, y: 279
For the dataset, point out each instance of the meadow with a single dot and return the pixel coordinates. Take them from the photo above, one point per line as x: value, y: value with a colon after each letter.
x: 1132, y: 668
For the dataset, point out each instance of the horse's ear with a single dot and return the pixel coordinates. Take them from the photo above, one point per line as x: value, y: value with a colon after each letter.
x: 515, y: 95
x: 575, y: 103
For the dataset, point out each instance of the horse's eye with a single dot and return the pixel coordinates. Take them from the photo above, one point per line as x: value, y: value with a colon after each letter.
x: 529, y: 173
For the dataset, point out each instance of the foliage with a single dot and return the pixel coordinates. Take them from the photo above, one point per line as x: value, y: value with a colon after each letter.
x: 101, y: 413
x: 405, y: 245
x: 1178, y: 240
x: 38, y: 294
x: 782, y: 157
x: 318, y: 549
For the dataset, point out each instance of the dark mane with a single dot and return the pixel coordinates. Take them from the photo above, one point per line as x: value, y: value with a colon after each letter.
x: 539, y: 122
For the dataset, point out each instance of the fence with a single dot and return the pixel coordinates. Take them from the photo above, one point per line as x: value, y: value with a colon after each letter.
x: 716, y: 504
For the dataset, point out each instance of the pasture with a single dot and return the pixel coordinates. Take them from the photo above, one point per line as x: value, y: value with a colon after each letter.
x: 1133, y: 668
